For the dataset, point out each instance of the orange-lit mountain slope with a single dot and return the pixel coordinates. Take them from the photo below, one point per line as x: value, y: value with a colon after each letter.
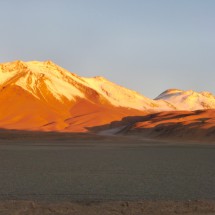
x: 43, y: 96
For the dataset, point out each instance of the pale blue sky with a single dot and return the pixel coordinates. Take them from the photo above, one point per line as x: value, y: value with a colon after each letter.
x: 145, y: 45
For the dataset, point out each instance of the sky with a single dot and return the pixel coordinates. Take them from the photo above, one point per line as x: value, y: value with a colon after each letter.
x: 145, y: 45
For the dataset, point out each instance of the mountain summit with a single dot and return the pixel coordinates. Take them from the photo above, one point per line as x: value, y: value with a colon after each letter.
x: 44, y: 96
x: 188, y: 100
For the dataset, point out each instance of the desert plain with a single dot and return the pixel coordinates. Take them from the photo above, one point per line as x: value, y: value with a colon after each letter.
x: 79, y: 173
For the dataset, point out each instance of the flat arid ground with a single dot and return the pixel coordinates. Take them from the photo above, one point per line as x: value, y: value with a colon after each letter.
x: 64, y: 173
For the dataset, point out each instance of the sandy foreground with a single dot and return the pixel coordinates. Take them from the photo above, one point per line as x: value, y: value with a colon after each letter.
x: 80, y: 174
x: 108, y: 208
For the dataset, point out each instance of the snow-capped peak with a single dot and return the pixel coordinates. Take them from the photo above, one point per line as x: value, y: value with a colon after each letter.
x: 46, y: 79
x: 40, y: 79
x: 188, y: 100
x: 168, y: 93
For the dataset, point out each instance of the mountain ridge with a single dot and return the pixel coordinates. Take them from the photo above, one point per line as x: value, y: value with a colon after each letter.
x: 44, y: 96
x: 34, y: 75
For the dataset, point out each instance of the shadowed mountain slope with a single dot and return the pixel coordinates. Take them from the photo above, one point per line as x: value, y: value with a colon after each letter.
x: 193, y: 125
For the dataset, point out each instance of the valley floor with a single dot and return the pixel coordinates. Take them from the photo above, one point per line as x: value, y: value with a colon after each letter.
x: 104, y: 175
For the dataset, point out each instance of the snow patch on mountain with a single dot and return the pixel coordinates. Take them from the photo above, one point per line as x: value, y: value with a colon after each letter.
x: 117, y: 95
x: 5, y: 75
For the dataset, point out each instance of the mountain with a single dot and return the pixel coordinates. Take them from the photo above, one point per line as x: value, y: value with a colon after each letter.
x: 188, y: 100
x: 48, y: 82
x: 44, y: 96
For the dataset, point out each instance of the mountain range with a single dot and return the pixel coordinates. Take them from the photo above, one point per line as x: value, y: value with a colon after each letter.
x: 44, y: 96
